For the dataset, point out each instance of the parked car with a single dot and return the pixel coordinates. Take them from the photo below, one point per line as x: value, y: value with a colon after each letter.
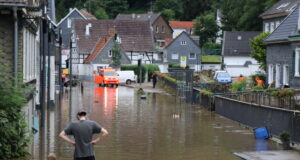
x: 222, y: 77
x: 126, y: 77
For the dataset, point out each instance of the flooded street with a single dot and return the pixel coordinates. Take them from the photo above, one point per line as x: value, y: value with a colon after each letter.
x: 158, y: 128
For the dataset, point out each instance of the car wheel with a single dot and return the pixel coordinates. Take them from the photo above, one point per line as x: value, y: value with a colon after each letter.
x: 128, y: 81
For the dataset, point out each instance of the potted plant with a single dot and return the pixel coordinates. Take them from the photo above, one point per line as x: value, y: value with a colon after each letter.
x: 285, y: 138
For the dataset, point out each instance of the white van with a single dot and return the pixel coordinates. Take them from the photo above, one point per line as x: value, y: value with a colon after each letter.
x: 126, y: 77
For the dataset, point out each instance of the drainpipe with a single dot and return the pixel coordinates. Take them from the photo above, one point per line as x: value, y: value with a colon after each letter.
x: 15, y: 44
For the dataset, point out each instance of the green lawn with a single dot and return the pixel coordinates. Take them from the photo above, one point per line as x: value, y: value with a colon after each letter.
x: 211, y: 59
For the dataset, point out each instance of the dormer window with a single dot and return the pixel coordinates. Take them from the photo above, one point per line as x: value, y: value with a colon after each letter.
x: 110, y: 54
x: 267, y: 27
x: 283, y: 5
x: 239, y: 38
x: 183, y: 43
x: 69, y: 23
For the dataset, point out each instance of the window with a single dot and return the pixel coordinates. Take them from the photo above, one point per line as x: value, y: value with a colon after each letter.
x: 297, y: 62
x: 267, y: 27
x: 277, y: 24
x: 110, y: 54
x: 270, y: 73
x: 283, y: 5
x: 69, y: 23
x: 192, y: 56
x: 29, y: 55
x: 162, y: 29
x: 239, y: 38
x: 285, y: 74
x: 157, y: 29
x: 183, y: 42
x: 277, y: 76
x: 175, y: 56
x: 272, y: 27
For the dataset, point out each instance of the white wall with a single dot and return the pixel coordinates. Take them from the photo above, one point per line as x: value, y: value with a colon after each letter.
x: 235, y: 71
x: 211, y: 66
x: 136, y: 55
x: 177, y: 32
x: 238, y: 60
x: 234, y: 65
x: 163, y: 68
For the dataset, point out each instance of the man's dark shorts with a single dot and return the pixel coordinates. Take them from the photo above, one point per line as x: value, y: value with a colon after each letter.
x: 86, y: 158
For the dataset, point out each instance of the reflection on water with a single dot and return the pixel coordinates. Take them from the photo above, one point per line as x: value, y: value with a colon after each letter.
x: 147, y: 129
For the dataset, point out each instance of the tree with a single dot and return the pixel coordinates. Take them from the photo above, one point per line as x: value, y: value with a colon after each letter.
x: 174, y: 5
x: 206, y: 27
x: 114, y: 7
x: 168, y: 14
x: 231, y: 10
x: 259, y: 49
x: 13, y: 139
x: 116, y: 57
x: 101, y: 14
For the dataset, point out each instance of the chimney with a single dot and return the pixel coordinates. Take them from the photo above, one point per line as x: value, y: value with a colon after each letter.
x: 87, y: 29
x: 70, y: 9
x: 133, y: 16
x: 111, y: 32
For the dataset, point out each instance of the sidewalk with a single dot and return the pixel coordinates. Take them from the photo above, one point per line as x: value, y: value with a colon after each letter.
x: 269, y: 155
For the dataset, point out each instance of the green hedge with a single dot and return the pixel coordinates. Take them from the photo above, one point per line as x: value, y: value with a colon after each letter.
x: 151, y: 68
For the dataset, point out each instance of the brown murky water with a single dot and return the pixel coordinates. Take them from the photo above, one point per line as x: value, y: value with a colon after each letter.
x: 147, y: 129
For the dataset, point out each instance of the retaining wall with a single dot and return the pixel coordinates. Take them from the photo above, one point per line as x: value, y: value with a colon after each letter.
x: 253, y: 115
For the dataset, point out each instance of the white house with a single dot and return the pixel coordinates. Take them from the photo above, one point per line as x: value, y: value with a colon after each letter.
x: 236, y: 53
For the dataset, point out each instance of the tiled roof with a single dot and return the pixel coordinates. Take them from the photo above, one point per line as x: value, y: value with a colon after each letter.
x: 287, y: 28
x: 87, y: 14
x: 141, y: 17
x: 97, y: 49
x: 135, y: 35
x: 188, y: 25
x: 281, y: 8
x: 14, y: 1
x: 237, y: 43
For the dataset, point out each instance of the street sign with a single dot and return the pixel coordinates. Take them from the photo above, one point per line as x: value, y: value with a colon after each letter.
x: 183, y: 61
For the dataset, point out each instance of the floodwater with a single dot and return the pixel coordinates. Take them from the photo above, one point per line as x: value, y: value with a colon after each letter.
x: 162, y: 127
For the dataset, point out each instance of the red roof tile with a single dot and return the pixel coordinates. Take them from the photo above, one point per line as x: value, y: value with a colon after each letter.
x: 188, y: 25
x: 87, y: 14
x: 14, y: 1
x: 97, y: 49
x: 135, y: 35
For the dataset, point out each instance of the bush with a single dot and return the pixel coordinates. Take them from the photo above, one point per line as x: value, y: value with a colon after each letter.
x: 206, y: 93
x: 238, y: 86
x: 167, y: 78
x: 285, y: 136
x: 287, y: 92
x: 13, y: 139
x: 151, y: 68
x: 261, y: 76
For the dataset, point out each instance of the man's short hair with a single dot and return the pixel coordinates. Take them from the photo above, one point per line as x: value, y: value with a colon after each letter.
x: 81, y: 113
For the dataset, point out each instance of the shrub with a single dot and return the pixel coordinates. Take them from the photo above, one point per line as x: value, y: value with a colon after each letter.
x: 287, y: 92
x: 285, y: 136
x: 257, y: 88
x: 167, y: 78
x: 238, y: 86
x: 206, y: 93
x: 13, y: 139
x: 261, y: 76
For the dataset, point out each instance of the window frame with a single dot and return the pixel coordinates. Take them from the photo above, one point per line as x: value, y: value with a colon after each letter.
x: 173, y: 54
x: 191, y: 57
x: 267, y: 27
x: 183, y: 43
x: 110, y: 53
x: 297, y: 62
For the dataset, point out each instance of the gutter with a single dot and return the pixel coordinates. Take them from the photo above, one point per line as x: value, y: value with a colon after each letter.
x: 15, y: 14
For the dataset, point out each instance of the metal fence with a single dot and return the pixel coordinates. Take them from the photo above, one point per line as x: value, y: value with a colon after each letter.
x: 266, y: 99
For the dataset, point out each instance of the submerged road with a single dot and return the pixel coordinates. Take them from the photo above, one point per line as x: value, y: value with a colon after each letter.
x: 162, y: 127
